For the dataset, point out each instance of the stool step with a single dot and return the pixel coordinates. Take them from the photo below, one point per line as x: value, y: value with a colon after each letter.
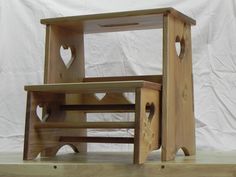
x: 95, y: 108
x: 84, y: 125
x: 124, y: 140
x: 86, y: 87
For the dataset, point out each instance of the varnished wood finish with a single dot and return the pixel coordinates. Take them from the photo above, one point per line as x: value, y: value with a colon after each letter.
x: 178, y: 127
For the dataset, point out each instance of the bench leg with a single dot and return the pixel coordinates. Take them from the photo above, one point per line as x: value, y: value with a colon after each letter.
x: 32, y: 144
x: 46, y: 141
x: 147, y: 120
x: 178, y: 123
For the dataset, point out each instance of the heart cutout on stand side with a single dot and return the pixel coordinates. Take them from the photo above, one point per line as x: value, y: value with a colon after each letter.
x: 67, y: 55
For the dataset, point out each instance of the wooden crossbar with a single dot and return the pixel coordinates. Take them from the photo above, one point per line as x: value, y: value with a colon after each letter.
x: 124, y: 140
x: 84, y: 125
x: 99, y: 107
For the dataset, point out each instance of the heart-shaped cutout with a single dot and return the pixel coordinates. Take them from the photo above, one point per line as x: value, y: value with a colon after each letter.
x: 39, y: 112
x: 177, y: 48
x: 99, y: 96
x: 67, y: 55
x: 150, y: 108
x: 40, y: 115
x: 180, y: 47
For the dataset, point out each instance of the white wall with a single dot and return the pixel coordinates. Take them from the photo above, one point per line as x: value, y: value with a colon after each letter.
x: 214, y: 61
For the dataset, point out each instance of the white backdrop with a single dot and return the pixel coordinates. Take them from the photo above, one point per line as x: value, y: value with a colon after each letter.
x: 214, y: 61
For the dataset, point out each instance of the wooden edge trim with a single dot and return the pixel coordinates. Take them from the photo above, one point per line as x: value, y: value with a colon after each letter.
x: 81, y: 18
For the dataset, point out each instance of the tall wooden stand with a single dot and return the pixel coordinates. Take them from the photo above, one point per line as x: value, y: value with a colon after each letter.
x: 163, y: 105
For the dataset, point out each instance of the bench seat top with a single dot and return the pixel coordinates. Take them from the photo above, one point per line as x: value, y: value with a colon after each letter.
x: 82, y: 87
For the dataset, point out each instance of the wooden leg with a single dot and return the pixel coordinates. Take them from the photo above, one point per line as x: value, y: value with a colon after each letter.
x: 147, y: 119
x: 178, y: 123
x: 32, y: 144
x: 46, y: 142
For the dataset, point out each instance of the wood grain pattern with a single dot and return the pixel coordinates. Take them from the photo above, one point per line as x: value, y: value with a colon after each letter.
x: 147, y: 127
x: 178, y: 127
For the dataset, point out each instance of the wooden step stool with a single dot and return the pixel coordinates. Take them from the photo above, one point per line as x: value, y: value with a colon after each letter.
x: 68, y: 95
x: 48, y: 136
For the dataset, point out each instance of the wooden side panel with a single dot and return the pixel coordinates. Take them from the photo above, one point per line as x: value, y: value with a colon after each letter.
x: 147, y: 124
x: 36, y: 142
x: 56, y: 71
x: 178, y: 124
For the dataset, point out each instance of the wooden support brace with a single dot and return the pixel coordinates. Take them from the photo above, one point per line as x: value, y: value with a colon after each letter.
x: 178, y: 127
x: 147, y: 135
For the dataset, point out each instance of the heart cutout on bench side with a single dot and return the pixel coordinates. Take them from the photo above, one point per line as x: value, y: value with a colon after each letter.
x: 67, y: 55
x: 180, y: 47
x: 39, y: 111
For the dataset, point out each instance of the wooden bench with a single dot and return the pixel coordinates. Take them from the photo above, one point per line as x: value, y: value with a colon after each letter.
x: 52, y: 132
x: 67, y: 95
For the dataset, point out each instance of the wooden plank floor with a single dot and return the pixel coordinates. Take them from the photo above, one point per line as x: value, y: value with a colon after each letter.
x: 212, y: 164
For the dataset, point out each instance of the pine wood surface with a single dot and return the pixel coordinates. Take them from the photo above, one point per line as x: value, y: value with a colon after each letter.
x: 103, y: 164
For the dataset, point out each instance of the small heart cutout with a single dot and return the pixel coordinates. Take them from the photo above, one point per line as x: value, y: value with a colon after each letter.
x: 180, y: 47
x: 67, y: 56
x: 99, y: 96
x: 39, y: 112
x: 150, y: 108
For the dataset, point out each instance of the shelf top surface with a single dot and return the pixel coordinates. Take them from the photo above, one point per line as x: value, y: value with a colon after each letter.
x: 118, y: 21
x: 93, y: 86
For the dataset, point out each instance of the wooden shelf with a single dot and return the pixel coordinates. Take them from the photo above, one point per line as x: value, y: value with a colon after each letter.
x: 128, y: 86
